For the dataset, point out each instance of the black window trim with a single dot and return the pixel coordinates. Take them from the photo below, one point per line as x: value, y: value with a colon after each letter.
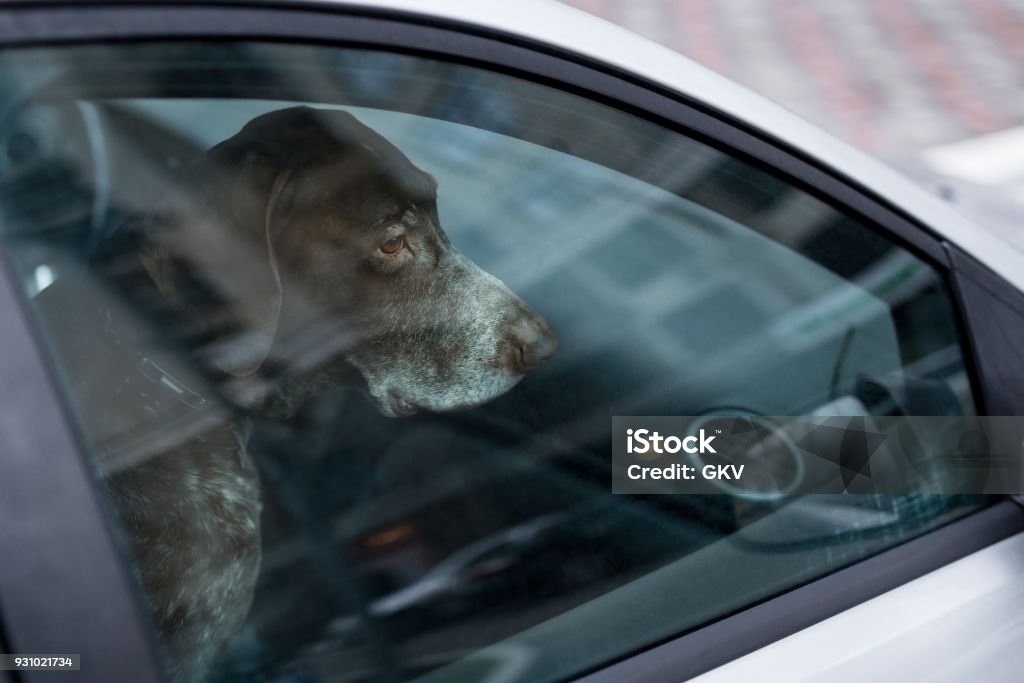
x: 57, y: 23
x: 994, y: 312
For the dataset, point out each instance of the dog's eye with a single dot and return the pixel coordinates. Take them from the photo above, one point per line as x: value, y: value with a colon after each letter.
x: 393, y: 245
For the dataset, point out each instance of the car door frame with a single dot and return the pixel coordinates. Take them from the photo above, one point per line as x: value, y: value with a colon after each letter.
x: 65, y: 535
x: 64, y: 587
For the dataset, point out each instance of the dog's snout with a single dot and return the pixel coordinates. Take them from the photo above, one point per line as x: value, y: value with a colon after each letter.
x: 530, y: 342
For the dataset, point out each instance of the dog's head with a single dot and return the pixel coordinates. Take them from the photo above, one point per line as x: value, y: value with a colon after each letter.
x: 307, y: 217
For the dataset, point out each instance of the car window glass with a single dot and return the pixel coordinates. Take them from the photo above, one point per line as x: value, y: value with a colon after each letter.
x: 246, y: 301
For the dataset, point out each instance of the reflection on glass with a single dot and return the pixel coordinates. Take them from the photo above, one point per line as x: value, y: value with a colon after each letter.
x: 199, y: 295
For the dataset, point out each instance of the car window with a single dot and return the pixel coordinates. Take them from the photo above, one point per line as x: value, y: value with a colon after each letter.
x: 338, y: 449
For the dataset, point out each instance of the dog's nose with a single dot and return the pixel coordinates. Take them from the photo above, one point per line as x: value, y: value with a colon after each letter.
x: 531, y: 341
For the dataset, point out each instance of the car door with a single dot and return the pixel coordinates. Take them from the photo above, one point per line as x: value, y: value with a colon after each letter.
x: 691, y: 263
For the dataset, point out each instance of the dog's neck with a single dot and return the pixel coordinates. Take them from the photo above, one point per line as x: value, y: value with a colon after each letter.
x: 283, y: 394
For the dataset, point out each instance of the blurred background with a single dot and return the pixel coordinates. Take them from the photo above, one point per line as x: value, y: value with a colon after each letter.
x: 933, y: 87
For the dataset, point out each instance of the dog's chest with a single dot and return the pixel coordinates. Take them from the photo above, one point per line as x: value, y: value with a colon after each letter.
x: 201, y: 498
x: 191, y: 521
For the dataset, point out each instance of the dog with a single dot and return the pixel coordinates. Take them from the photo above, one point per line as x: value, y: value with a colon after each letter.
x: 303, y: 252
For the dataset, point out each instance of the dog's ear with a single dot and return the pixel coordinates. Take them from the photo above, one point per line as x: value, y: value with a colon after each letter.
x: 212, y: 253
x: 159, y: 262
x: 259, y: 306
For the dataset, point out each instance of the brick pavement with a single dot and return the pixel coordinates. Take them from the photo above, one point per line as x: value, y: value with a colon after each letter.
x: 891, y: 76
x: 897, y: 78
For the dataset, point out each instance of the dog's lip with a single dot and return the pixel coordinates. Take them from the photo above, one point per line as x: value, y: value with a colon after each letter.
x: 400, y: 405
